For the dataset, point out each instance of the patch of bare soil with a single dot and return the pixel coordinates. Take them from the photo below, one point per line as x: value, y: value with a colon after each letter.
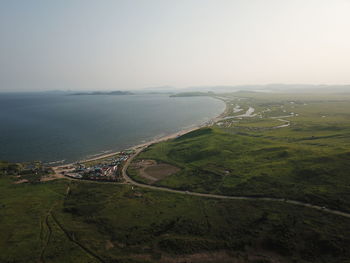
x: 21, y: 181
x: 154, y: 171
x: 57, y: 173
x: 161, y: 170
x: 109, y: 245
x: 51, y: 177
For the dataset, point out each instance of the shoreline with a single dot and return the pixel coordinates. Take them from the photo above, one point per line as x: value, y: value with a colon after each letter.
x: 153, y: 141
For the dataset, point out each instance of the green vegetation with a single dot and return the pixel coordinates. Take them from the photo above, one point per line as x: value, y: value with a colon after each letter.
x: 307, y: 161
x: 27, y: 172
x: 64, y: 221
x: 25, y: 225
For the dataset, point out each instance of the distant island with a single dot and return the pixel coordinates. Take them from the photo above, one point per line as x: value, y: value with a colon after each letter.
x: 116, y: 92
x: 192, y: 94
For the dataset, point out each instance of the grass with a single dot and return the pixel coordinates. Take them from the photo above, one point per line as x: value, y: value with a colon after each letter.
x: 147, y: 226
x: 307, y: 161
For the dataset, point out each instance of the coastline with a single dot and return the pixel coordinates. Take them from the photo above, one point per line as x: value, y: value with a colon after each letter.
x: 153, y: 141
x: 179, y: 133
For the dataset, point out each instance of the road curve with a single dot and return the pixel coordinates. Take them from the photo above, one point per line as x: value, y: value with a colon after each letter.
x: 165, y: 189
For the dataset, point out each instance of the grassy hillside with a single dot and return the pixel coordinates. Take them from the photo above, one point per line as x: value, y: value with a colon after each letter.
x: 63, y: 221
x: 308, y: 160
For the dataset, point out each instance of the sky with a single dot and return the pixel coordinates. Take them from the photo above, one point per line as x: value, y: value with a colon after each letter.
x: 136, y: 44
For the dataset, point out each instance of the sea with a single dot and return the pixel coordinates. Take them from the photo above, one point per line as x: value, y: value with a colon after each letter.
x: 62, y: 128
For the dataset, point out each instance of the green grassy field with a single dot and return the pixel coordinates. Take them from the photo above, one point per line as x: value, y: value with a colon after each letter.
x: 64, y: 221
x: 307, y: 161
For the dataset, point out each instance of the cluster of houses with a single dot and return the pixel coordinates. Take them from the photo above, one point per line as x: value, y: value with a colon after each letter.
x: 108, y: 169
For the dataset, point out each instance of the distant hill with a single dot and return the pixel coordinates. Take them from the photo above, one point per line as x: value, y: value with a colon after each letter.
x: 192, y: 94
x: 117, y: 92
x: 283, y: 88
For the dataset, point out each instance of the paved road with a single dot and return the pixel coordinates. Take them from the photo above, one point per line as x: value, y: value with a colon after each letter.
x: 281, y: 200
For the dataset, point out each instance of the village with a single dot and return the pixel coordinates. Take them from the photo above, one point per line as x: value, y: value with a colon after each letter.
x: 102, y: 169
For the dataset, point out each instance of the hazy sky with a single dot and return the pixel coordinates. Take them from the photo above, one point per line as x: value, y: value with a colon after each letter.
x: 130, y: 44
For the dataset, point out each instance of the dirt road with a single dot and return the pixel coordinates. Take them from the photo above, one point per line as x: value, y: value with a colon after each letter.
x: 270, y: 199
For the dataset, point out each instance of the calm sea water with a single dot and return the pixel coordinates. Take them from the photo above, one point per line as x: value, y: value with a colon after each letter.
x: 52, y: 128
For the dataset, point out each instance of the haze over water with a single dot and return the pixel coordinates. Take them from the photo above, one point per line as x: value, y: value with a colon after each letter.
x: 49, y: 127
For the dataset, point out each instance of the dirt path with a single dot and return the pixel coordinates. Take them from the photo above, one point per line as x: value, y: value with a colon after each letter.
x: 72, y: 239
x: 68, y: 235
x: 45, y: 239
x: 286, y: 124
x: 270, y: 199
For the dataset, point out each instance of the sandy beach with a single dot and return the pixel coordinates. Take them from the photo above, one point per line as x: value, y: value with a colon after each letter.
x: 161, y: 139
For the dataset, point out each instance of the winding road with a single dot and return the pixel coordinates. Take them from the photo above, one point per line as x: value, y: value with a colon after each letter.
x: 281, y: 200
